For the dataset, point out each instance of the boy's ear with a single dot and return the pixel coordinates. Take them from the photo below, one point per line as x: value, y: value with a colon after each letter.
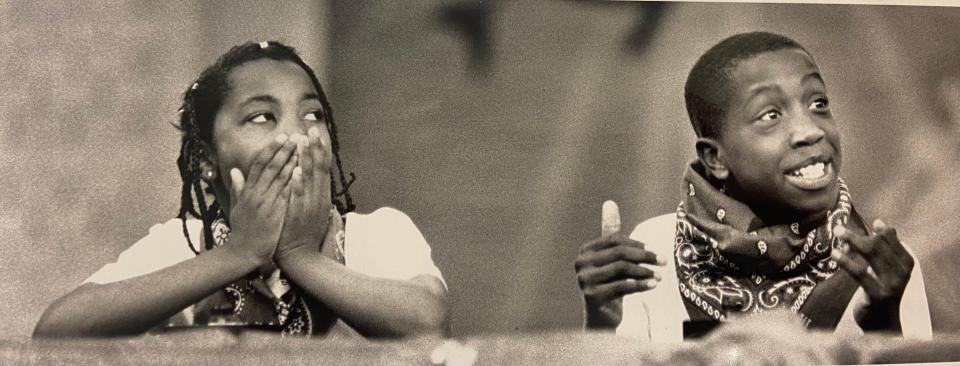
x: 208, y: 163
x: 711, y: 156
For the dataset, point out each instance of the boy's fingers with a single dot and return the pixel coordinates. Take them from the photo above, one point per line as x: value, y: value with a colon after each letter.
x: 618, y: 253
x: 617, y: 289
x: 610, y: 241
x: 871, y: 248
x: 615, y: 271
x: 264, y: 157
x: 892, y: 241
x: 857, y: 267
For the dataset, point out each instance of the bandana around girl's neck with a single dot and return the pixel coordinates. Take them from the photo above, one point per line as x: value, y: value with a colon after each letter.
x: 729, y: 261
x: 269, y: 301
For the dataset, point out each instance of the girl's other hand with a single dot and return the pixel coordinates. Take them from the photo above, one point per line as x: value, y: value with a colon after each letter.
x: 259, y: 201
x: 308, y: 212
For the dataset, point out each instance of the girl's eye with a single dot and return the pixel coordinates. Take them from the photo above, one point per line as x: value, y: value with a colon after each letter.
x: 261, y: 118
x: 314, y: 116
x: 820, y: 104
x: 770, y: 115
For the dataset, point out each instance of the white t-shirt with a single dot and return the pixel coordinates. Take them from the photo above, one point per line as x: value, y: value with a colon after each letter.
x: 384, y: 244
x: 657, y: 315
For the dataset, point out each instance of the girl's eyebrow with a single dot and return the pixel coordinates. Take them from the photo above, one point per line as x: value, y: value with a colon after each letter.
x: 310, y: 96
x: 259, y: 98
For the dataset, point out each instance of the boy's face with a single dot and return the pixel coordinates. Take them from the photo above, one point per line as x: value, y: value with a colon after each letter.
x: 779, y: 141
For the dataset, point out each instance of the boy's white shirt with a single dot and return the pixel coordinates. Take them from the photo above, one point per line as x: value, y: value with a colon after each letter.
x: 384, y: 243
x: 657, y: 315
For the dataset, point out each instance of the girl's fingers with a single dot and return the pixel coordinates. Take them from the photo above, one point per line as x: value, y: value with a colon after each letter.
x: 306, y: 157
x: 296, y: 181
x: 295, y: 206
x: 281, y: 180
x: 276, y: 166
x: 267, y: 154
x: 320, y: 161
x: 236, y: 185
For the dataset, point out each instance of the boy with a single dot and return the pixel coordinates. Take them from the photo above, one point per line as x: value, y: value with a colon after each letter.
x: 765, y: 223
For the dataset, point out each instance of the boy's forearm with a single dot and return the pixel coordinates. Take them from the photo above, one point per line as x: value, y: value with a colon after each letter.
x: 376, y: 307
x: 133, y: 306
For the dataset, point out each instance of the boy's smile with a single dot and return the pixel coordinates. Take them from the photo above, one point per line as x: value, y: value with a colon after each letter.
x: 778, y: 140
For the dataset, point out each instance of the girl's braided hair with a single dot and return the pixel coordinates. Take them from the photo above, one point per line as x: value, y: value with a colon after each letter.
x: 202, y: 101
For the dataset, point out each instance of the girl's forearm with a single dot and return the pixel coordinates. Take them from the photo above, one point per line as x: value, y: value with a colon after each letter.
x: 376, y: 307
x: 133, y: 306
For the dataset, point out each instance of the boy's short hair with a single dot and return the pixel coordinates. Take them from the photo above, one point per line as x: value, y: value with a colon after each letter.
x: 708, y: 90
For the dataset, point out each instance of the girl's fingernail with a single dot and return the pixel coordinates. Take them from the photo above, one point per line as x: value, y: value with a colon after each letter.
x: 313, y: 131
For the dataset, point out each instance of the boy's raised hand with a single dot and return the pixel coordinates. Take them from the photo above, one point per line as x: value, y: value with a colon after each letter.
x: 882, y: 266
x: 610, y: 267
x: 308, y: 213
x: 259, y: 201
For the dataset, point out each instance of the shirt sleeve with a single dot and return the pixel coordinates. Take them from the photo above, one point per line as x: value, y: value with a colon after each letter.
x: 656, y: 315
x: 387, y: 244
x: 163, y: 247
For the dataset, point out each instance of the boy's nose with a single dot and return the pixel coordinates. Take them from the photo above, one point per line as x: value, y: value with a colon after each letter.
x: 806, y: 131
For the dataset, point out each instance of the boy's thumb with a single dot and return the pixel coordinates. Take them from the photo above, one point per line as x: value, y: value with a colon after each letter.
x: 610, y: 219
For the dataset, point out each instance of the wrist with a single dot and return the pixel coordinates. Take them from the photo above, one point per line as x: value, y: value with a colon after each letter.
x: 241, y: 253
x: 286, y: 255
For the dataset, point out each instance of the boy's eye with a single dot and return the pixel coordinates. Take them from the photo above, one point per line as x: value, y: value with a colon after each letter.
x: 819, y: 104
x: 770, y: 115
x: 261, y: 118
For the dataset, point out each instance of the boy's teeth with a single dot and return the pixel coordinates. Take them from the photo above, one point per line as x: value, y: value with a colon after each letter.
x: 812, y: 171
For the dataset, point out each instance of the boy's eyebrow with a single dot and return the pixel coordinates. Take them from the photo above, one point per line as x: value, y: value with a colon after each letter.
x: 813, y: 75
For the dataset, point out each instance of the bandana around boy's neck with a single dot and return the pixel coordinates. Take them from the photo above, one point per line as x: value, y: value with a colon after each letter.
x: 729, y: 261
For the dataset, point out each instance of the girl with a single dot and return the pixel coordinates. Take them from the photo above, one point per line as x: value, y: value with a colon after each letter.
x: 278, y: 248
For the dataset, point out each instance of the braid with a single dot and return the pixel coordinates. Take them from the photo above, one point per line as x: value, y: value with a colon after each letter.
x: 347, y: 205
x: 202, y: 101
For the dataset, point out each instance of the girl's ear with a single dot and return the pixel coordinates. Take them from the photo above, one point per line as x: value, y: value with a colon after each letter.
x: 711, y: 156
x: 208, y: 164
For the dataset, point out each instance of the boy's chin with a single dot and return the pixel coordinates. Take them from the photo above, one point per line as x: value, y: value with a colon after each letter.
x: 813, y: 203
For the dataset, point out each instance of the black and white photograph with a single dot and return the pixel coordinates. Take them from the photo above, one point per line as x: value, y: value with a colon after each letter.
x: 479, y: 182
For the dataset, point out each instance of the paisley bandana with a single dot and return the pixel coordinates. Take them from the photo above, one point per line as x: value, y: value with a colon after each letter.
x: 266, y: 299
x: 729, y: 261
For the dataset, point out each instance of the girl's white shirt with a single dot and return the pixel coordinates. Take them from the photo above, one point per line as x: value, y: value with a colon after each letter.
x: 657, y: 315
x: 384, y: 243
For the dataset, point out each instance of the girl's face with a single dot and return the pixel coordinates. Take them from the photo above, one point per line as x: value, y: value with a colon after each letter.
x: 779, y: 139
x: 266, y: 98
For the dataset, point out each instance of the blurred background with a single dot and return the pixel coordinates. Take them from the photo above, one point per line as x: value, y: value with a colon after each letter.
x: 499, y: 127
